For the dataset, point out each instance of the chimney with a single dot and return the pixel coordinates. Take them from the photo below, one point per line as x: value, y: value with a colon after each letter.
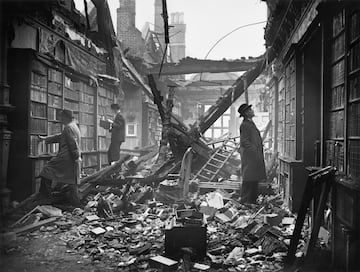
x: 159, y: 23
x: 125, y: 17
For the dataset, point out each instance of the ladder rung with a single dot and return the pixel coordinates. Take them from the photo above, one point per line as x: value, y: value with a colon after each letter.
x: 214, y: 165
x: 203, y: 177
x: 232, y: 146
x: 214, y: 159
x: 221, y: 155
x: 207, y: 170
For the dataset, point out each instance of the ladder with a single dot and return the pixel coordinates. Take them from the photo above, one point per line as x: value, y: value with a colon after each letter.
x: 217, y: 161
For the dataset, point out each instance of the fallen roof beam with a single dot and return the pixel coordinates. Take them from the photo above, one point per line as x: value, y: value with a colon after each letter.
x: 190, y: 66
x: 225, y: 101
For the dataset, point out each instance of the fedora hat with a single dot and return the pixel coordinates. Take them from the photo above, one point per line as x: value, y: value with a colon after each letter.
x: 115, y: 106
x: 67, y: 113
x: 243, y: 108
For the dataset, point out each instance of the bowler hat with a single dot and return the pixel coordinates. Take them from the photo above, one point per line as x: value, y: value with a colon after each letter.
x: 243, y: 108
x: 115, y: 106
x: 67, y: 113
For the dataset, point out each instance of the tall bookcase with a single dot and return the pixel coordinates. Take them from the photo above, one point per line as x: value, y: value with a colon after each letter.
x: 343, y: 135
x: 336, y: 111
x: 354, y: 95
x: 290, y: 110
x: 40, y: 90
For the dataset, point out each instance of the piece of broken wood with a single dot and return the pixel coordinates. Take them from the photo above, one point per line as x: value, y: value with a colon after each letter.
x: 35, y: 226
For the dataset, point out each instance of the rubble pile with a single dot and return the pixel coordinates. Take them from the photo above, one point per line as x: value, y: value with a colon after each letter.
x: 209, y: 232
x: 134, y: 220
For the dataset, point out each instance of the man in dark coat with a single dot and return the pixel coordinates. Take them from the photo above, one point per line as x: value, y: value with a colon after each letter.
x: 65, y: 166
x: 117, y: 130
x: 252, y: 156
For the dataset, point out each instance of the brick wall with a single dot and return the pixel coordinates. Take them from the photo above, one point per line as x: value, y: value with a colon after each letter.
x: 127, y: 33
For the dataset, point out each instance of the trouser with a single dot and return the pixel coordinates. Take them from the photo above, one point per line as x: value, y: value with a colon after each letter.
x: 45, y: 187
x: 70, y: 191
x: 114, y: 152
x: 72, y: 195
x: 249, y: 191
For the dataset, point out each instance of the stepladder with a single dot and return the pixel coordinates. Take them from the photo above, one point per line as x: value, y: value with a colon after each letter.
x: 217, y: 161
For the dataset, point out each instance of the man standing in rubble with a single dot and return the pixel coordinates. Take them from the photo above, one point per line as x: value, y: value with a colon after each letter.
x: 117, y: 129
x: 64, y: 168
x: 252, y: 156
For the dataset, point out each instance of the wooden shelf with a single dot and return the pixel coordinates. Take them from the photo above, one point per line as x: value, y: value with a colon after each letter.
x: 353, y: 72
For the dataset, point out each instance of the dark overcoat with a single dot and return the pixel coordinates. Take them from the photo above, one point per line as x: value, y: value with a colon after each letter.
x: 63, y: 167
x: 117, y: 137
x: 251, y: 151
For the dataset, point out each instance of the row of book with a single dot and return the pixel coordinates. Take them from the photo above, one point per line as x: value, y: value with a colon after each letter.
x: 54, y: 114
x: 70, y: 94
x: 105, y: 111
x: 84, y: 107
x: 54, y: 128
x: 54, y: 101
x: 38, y: 95
x: 104, y: 101
x: 338, y: 23
x: 55, y: 76
x: 71, y: 105
x: 338, y: 47
x: 87, y: 98
x: 290, y: 148
x: 354, y: 85
x: 89, y: 160
x: 354, y: 26
x: 354, y: 57
x: 103, y: 143
x: 37, y: 147
x: 354, y: 119
x: 55, y: 88
x: 87, y: 131
x: 104, y: 159
x: 87, y: 144
x: 86, y: 118
x: 103, y: 92
x: 38, y: 80
x: 334, y: 154
x: 354, y: 159
x: 336, y: 125
x: 38, y: 126
x: 37, y: 110
x: 337, y: 97
x: 337, y: 73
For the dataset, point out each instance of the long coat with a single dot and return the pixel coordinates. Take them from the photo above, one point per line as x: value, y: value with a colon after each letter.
x: 117, y: 137
x: 62, y: 167
x: 251, y: 151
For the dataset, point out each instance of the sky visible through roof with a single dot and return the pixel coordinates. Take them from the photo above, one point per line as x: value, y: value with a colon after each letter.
x: 207, y: 21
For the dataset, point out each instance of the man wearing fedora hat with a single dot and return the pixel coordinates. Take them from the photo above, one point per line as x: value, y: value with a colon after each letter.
x: 64, y: 168
x: 252, y: 156
x: 117, y: 129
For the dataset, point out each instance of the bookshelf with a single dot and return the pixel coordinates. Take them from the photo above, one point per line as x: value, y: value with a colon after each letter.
x: 40, y: 90
x: 290, y: 109
x: 337, y: 94
x: 354, y: 95
x: 281, y: 116
x: 105, y: 99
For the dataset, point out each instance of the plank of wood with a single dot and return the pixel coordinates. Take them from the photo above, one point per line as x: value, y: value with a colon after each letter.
x: 24, y: 217
x: 35, y: 226
x: 220, y: 185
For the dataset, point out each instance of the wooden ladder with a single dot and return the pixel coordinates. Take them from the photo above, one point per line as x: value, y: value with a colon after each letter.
x: 217, y: 161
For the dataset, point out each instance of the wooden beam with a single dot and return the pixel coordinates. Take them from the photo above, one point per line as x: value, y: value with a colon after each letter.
x: 35, y: 226
x: 191, y: 66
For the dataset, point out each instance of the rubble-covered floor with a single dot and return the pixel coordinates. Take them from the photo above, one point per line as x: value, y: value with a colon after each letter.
x: 126, y: 224
x: 237, y: 237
